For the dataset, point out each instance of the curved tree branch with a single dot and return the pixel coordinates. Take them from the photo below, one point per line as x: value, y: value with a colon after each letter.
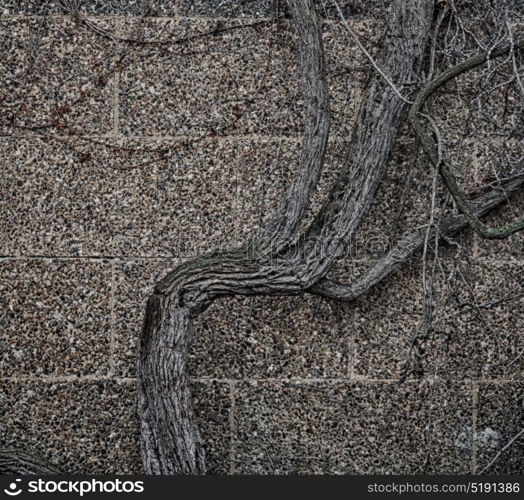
x: 171, y: 442
x: 410, y: 244
x: 316, y: 132
x: 431, y: 149
x: 170, y: 439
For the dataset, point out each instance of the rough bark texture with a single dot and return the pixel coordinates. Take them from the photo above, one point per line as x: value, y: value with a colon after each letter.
x: 171, y: 442
x: 170, y: 439
x: 450, y: 225
x: 16, y: 462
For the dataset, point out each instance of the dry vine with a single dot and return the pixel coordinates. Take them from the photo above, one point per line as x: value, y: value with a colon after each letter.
x: 284, y: 261
x: 278, y: 264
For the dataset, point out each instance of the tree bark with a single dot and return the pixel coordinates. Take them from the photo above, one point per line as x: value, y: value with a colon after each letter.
x: 275, y: 265
x: 16, y: 462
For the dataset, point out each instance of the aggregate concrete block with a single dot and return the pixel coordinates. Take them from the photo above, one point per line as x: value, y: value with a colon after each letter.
x: 91, y: 427
x: 183, y: 80
x: 55, y: 317
x: 58, y: 75
x: 265, y: 337
x: 134, y: 282
x: 352, y: 428
x: 475, y: 328
x: 500, y: 419
x: 96, y: 201
x: 81, y: 427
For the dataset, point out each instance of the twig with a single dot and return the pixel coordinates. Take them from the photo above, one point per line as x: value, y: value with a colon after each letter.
x: 368, y: 55
x: 496, y: 457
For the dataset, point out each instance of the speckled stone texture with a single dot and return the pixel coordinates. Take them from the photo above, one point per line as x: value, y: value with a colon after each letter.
x: 245, y: 82
x: 56, y: 71
x: 252, y: 337
x: 202, y: 8
x: 134, y: 282
x: 95, y: 7
x: 511, y: 248
x: 90, y: 427
x: 133, y: 141
x: 500, y: 419
x: 82, y: 427
x: 266, y: 337
x: 351, y: 428
x: 467, y: 341
x: 57, y: 202
x: 55, y: 317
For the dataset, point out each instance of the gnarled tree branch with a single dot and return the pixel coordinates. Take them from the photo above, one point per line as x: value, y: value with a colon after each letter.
x: 170, y: 439
x: 314, y: 87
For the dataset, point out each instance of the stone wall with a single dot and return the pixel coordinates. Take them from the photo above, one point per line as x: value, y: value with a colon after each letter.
x: 126, y: 157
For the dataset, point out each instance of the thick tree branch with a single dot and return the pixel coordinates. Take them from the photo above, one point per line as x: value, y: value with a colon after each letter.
x: 170, y: 439
x: 316, y: 132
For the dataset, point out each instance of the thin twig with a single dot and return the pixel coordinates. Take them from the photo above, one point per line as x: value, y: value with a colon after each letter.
x: 368, y: 55
x: 496, y: 457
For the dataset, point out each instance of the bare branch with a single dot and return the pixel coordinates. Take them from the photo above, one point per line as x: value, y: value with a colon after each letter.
x: 497, y: 456
x: 316, y: 132
x: 368, y: 55
x: 433, y: 152
x: 410, y: 244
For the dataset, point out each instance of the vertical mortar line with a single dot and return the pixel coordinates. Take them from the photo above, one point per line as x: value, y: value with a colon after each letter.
x: 475, y: 395
x: 338, y: 310
x: 232, y: 428
x: 237, y: 207
x: 351, y: 357
x: 476, y: 238
x: 116, y: 81
x: 112, y: 321
x: 115, y: 132
x: 351, y: 343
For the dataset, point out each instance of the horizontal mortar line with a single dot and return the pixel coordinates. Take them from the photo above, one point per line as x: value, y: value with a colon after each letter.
x: 348, y: 380
x: 70, y: 378
x: 174, y: 259
x: 124, y: 17
x: 91, y: 257
x: 134, y: 258
x: 223, y: 138
x: 151, y: 138
x: 351, y: 380
x: 177, y: 17
x: 498, y: 260
x: 232, y: 138
x: 270, y: 380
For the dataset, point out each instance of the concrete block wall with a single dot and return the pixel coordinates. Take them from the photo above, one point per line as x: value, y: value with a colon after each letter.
x: 125, y: 158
